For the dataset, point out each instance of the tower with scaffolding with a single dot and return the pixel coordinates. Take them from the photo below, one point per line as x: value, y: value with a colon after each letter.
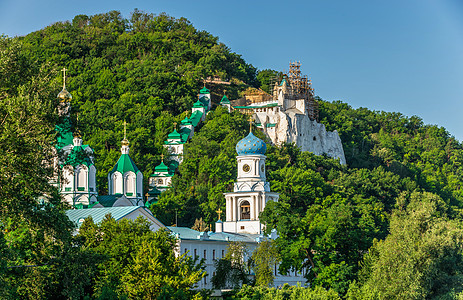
x: 294, y: 91
x: 290, y: 114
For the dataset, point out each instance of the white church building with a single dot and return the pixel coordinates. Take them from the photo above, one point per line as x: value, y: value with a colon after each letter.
x: 243, y: 206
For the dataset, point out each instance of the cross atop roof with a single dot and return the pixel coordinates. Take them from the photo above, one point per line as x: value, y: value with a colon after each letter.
x: 219, y: 212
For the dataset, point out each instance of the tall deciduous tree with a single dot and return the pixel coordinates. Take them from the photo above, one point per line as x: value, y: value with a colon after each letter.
x: 265, y: 258
x: 137, y: 262
x: 422, y: 257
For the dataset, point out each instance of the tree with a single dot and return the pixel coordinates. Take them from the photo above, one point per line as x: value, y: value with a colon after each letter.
x: 285, y: 292
x: 421, y: 258
x: 232, y: 271
x: 265, y: 258
x: 200, y: 225
x: 137, y: 262
x: 35, y: 228
x: 155, y: 269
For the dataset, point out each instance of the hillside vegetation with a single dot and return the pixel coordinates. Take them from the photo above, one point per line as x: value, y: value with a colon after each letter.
x: 392, y: 215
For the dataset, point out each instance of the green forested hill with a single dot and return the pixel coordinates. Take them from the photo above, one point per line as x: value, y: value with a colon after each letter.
x: 146, y: 70
x: 401, y: 191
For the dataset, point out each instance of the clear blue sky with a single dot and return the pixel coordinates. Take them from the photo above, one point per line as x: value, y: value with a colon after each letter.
x: 404, y: 56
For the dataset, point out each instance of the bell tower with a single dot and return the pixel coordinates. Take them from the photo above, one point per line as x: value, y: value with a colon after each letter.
x: 251, y: 190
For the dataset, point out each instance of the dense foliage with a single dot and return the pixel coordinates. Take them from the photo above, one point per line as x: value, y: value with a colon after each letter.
x: 342, y: 226
x: 146, y: 70
x: 137, y: 262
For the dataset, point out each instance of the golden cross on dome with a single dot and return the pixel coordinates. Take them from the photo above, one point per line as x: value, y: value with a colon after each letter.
x: 64, y: 77
x: 125, y: 130
x: 175, y: 125
x: 219, y: 212
x: 162, y: 157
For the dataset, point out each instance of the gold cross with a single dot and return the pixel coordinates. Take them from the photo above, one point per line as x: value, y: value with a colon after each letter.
x: 175, y: 125
x: 64, y: 77
x: 219, y: 212
x: 162, y: 157
x: 125, y: 129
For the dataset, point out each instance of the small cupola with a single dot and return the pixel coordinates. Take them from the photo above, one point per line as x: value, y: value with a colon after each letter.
x: 64, y: 95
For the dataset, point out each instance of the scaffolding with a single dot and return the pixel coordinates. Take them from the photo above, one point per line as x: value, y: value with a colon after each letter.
x: 300, y: 87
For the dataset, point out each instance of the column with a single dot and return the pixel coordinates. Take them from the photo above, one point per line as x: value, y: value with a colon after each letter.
x: 234, y: 209
x: 228, y: 209
x: 252, y: 202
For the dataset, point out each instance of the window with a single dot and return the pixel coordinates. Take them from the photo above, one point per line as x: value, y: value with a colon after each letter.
x: 223, y: 251
x: 205, y: 254
x: 196, y: 255
x: 213, y: 254
x: 242, y: 227
x: 159, y: 181
x: 314, y: 138
x: 245, y: 210
x: 185, y: 250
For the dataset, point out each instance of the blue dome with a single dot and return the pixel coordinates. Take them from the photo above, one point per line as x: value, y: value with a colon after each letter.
x: 251, y: 145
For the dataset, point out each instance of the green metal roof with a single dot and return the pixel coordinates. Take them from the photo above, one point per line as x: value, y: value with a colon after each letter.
x: 185, y: 121
x: 204, y: 90
x: 174, y: 135
x: 161, y: 168
x: 185, y: 133
x: 64, y: 134
x: 174, y: 142
x: 196, y: 117
x: 204, y: 100
x: 108, y: 200
x: 151, y: 202
x: 224, y: 100
x: 198, y: 104
x: 154, y: 192
x: 257, y: 106
x: 173, y: 166
x: 162, y: 175
x: 125, y: 164
x: 78, y: 215
x: 283, y: 81
x: 186, y: 233
x: 270, y: 125
x: 64, y: 140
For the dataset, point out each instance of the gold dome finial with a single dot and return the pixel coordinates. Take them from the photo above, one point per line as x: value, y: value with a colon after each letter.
x: 64, y: 95
x: 125, y: 142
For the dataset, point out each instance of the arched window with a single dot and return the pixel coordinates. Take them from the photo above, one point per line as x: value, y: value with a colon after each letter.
x: 82, y: 178
x: 130, y: 183
x: 117, y: 183
x: 245, y: 210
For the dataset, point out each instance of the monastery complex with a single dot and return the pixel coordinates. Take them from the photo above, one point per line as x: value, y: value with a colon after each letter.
x: 288, y: 116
